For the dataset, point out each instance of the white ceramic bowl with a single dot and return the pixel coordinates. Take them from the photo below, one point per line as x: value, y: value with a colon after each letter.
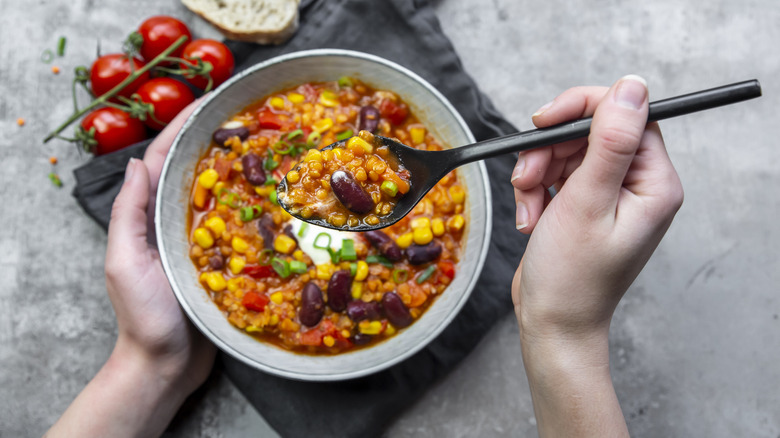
x: 282, y: 72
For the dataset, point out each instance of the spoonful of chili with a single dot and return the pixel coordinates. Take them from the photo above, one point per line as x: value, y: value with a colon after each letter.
x: 393, y: 177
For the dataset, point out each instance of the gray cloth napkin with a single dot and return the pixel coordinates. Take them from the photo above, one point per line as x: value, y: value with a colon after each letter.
x: 407, y: 32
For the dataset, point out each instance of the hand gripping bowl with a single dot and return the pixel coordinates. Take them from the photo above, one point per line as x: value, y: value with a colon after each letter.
x: 193, y: 140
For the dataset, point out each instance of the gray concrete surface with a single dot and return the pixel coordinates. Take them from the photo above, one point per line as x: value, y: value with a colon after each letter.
x: 696, y: 341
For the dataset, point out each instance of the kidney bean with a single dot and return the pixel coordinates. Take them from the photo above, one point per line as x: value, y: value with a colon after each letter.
x: 386, y: 246
x: 266, y: 228
x: 418, y: 254
x: 311, y: 305
x: 396, y: 311
x: 369, y: 118
x: 339, y: 290
x: 288, y: 230
x: 216, y: 261
x: 361, y: 339
x: 349, y: 192
x: 359, y: 310
x: 253, y: 169
x: 222, y: 135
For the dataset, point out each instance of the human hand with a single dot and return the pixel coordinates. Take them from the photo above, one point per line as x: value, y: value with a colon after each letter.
x: 151, y: 323
x: 617, y: 195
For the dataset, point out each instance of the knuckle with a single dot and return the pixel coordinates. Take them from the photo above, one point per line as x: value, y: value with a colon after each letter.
x: 619, y: 140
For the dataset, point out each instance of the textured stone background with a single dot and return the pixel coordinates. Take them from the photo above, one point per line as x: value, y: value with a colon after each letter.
x: 696, y: 341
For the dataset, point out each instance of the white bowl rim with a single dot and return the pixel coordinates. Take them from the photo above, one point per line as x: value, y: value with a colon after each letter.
x: 211, y: 336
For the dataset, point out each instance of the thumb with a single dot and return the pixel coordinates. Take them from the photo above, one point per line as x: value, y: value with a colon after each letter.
x: 127, y: 228
x: 615, y: 134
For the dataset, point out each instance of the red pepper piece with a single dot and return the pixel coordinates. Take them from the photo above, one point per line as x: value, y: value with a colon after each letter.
x: 269, y: 120
x: 447, y: 268
x: 254, y: 301
x: 258, y: 271
x: 394, y: 112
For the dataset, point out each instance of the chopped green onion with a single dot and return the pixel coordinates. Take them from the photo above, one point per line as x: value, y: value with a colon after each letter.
x: 231, y: 200
x: 426, y: 274
x: 382, y: 260
x: 296, y: 133
x: 265, y: 256
x: 400, y: 275
x: 277, y: 147
x: 345, y: 81
x: 352, y: 269
x: 389, y: 188
x: 313, y: 140
x: 303, y: 229
x: 297, y: 267
x: 271, y: 181
x: 250, y: 212
x: 335, y: 256
x: 348, y: 250
x: 344, y: 135
x: 273, y: 197
x: 61, y: 46
x: 316, y: 243
x: 281, y: 266
x: 55, y: 179
x: 47, y: 56
x: 271, y: 164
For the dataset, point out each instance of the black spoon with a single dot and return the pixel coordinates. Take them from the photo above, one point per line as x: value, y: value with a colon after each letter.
x: 428, y: 167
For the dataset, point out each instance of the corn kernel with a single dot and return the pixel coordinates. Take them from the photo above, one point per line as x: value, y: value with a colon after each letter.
x: 273, y: 320
x: 208, y: 178
x: 239, y: 245
x: 293, y: 176
x: 357, y: 289
x: 404, y: 240
x: 277, y: 297
x: 296, y: 98
x: 456, y: 223
x: 203, y: 238
x: 390, y: 330
x: 233, y: 284
x: 345, y: 333
x: 298, y: 255
x: 217, y: 187
x: 264, y: 191
x: 357, y: 143
x: 322, y: 125
x: 199, y: 197
x: 423, y: 236
x: 370, y: 327
x: 313, y: 155
x: 362, y: 271
x: 277, y: 102
x: 457, y: 194
x: 216, y: 225
x: 329, y: 98
x: 236, y: 264
x: 284, y: 244
x: 328, y: 341
x: 324, y: 271
x: 418, y: 134
x: 437, y: 226
x: 215, y: 281
x: 420, y: 222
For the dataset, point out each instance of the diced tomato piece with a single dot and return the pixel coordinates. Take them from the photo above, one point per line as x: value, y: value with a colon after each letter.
x: 312, y: 337
x: 254, y: 301
x: 447, y: 268
x: 269, y: 120
x: 417, y: 295
x: 394, y: 112
x: 258, y: 271
x: 223, y: 168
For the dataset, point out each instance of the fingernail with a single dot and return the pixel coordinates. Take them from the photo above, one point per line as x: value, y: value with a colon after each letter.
x: 631, y: 92
x: 519, y: 168
x: 130, y: 168
x: 544, y: 108
x: 521, y: 216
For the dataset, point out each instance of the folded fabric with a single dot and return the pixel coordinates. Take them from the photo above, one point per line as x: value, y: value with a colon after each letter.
x: 407, y: 32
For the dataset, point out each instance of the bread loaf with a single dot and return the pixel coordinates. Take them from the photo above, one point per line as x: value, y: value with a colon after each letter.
x: 255, y: 21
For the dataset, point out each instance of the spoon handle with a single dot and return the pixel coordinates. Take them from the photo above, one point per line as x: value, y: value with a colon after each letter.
x: 662, y: 109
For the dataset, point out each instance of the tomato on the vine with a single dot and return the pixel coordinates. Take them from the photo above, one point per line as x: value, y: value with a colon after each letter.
x: 168, y: 96
x: 109, y: 70
x: 214, y: 52
x: 159, y: 33
x: 114, y: 130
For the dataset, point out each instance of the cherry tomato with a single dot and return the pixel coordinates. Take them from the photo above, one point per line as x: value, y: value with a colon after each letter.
x: 254, y: 301
x: 109, y: 70
x: 168, y: 96
x: 394, y: 112
x: 159, y: 33
x: 114, y: 129
x: 214, y: 52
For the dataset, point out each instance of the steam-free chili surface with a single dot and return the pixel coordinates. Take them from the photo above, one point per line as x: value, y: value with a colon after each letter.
x: 293, y: 284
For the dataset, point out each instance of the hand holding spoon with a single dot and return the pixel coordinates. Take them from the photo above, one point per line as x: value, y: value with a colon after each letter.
x: 426, y: 168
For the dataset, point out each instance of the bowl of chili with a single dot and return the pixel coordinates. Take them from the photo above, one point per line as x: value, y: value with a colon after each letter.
x: 226, y: 300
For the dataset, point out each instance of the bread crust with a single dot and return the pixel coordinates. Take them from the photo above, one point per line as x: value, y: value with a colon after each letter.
x: 277, y: 35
